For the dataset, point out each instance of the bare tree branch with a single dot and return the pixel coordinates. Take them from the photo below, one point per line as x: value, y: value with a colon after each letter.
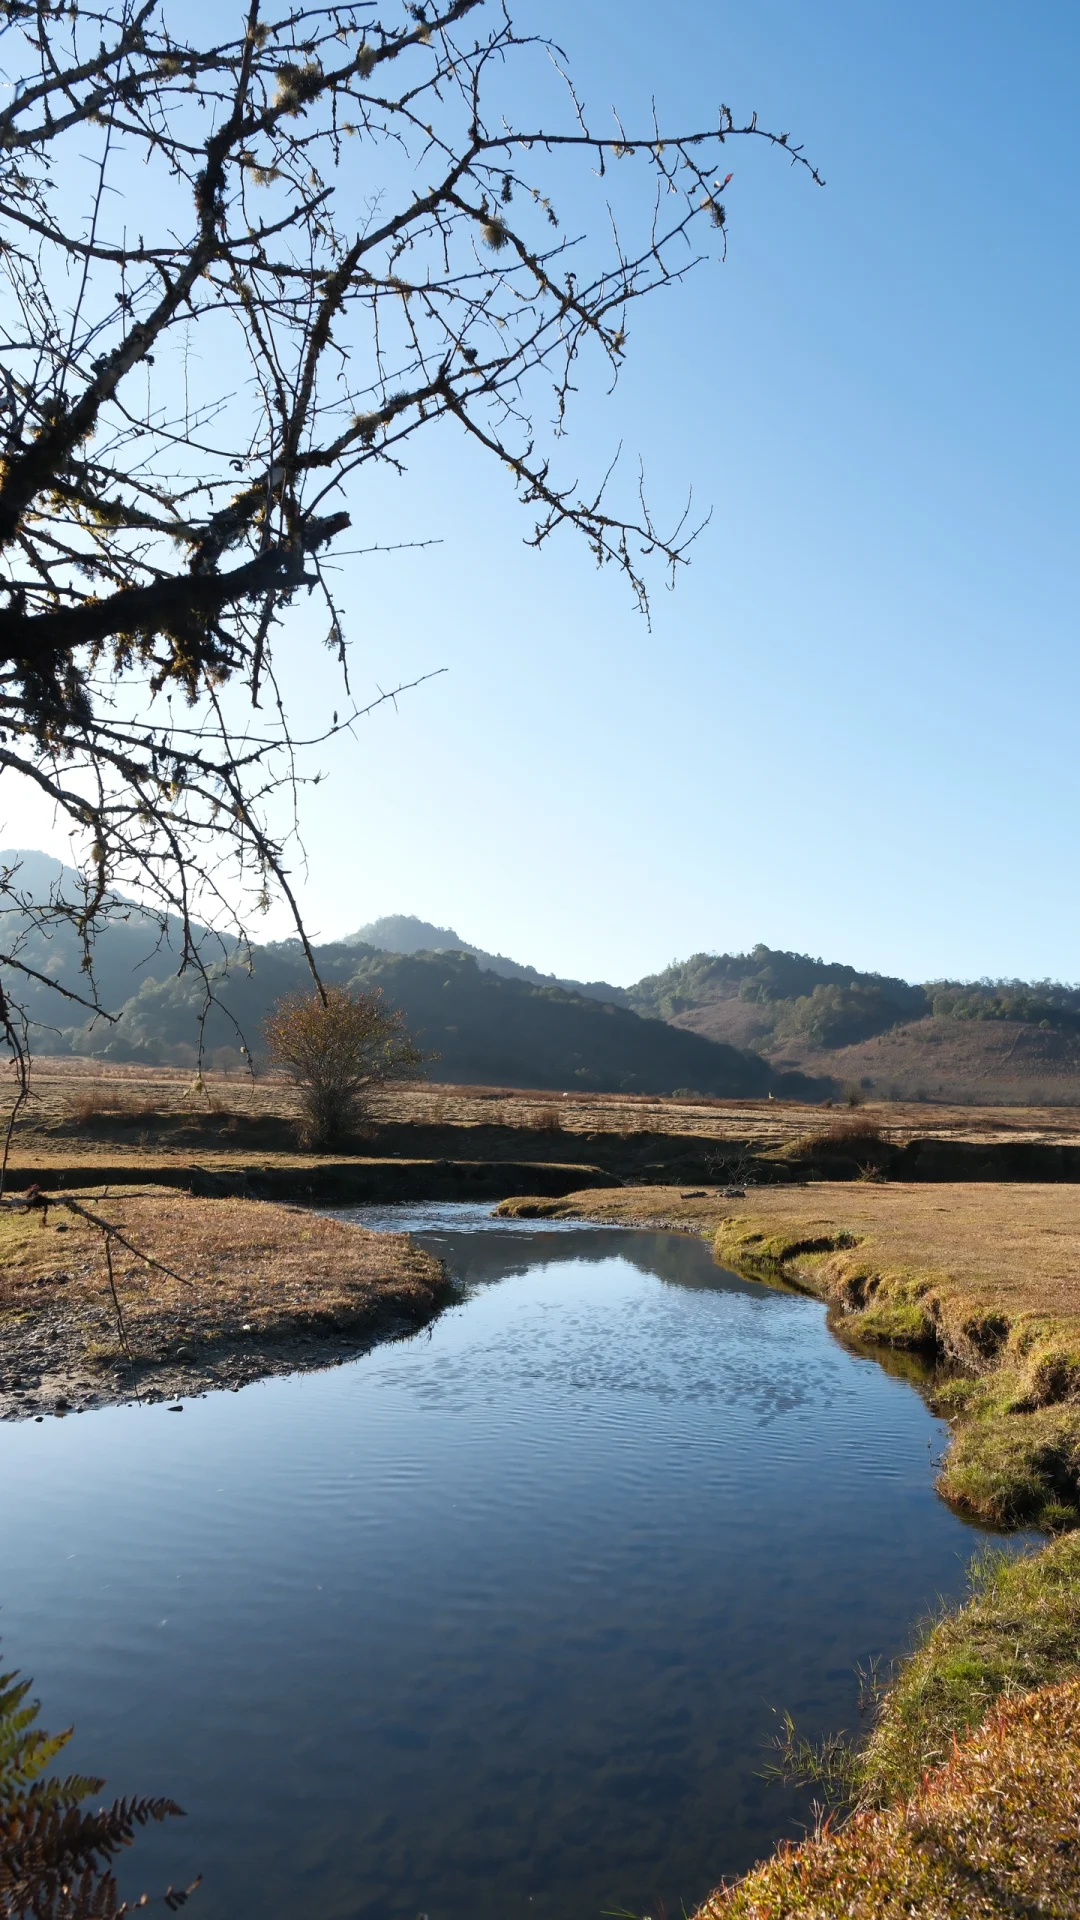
x: 301, y: 244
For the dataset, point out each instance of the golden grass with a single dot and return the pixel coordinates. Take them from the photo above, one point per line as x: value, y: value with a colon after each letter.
x: 1005, y: 1245
x: 107, y: 1102
x: 237, y: 1267
x: 994, y: 1832
x: 763, y: 1125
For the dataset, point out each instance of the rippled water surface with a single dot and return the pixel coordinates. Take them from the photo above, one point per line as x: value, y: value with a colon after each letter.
x: 493, y: 1622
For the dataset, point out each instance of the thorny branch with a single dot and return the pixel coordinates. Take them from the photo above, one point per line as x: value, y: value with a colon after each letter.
x: 239, y: 277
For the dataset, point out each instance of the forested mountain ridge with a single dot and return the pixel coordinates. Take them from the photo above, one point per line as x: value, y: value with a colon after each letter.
x: 477, y: 1027
x: 836, y: 1004
x: 745, y: 1022
x: 1010, y: 1040
x: 404, y: 933
x: 789, y: 993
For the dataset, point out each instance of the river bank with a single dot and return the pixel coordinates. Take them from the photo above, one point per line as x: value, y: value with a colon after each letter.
x: 86, y: 1120
x: 984, y: 1277
x: 965, y: 1791
x: 152, y: 1294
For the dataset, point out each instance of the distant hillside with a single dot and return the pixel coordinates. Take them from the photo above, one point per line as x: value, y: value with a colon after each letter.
x: 484, y: 1029
x: 403, y: 933
x: 1011, y: 1041
x: 716, y: 1023
x: 768, y: 995
x: 129, y: 947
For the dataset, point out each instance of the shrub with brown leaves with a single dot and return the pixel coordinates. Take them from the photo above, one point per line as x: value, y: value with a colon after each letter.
x: 338, y: 1045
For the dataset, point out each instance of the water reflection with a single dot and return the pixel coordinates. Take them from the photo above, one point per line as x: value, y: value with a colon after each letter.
x: 493, y: 1621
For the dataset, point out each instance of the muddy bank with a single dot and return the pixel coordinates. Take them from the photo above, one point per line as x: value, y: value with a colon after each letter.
x: 151, y: 1295
x: 318, y: 1182
x: 495, y: 1147
x: 44, y: 1369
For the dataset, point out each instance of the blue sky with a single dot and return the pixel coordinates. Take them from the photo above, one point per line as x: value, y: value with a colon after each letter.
x: 851, y: 730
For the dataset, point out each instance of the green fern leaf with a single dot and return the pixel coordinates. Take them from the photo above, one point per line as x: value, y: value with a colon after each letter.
x: 55, y: 1858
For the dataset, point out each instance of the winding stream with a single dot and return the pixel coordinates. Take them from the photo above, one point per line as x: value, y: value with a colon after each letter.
x: 492, y: 1622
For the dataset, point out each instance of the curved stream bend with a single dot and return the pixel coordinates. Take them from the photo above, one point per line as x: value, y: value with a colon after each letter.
x: 492, y: 1622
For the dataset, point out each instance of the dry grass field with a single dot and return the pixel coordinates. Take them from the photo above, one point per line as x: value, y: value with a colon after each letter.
x: 77, y: 1107
x: 105, y: 1296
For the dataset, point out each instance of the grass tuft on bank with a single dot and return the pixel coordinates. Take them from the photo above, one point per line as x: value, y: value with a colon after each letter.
x: 992, y: 1832
x: 1019, y: 1630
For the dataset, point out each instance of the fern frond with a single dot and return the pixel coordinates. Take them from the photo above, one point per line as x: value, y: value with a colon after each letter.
x: 25, y: 1751
x: 63, y: 1793
x: 55, y: 1858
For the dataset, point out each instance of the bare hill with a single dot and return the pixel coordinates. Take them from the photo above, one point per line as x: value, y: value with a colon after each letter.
x: 1010, y: 1062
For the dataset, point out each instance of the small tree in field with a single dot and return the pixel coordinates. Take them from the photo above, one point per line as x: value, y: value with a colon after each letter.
x: 338, y: 1045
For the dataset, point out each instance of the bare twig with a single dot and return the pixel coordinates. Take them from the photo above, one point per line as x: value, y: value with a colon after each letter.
x: 348, y: 241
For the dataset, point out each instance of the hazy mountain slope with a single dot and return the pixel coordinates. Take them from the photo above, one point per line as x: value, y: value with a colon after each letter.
x: 484, y: 1028
x: 488, y: 1029
x: 403, y: 933
x: 161, y: 1021
x: 128, y: 949
x: 1009, y: 1041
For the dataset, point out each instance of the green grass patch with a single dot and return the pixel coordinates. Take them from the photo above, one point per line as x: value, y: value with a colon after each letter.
x: 991, y: 1833
x: 1019, y: 1630
x: 1017, y: 1469
x: 895, y: 1323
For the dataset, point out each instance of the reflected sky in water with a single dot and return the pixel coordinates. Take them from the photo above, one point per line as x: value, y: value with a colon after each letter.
x: 495, y: 1621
